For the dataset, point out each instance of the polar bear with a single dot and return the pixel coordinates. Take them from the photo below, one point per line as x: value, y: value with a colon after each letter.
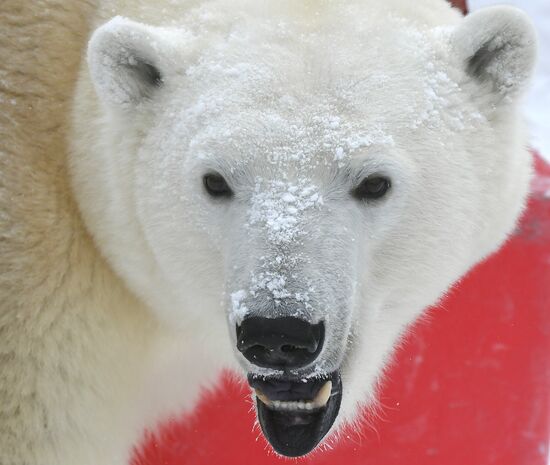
x: 277, y: 187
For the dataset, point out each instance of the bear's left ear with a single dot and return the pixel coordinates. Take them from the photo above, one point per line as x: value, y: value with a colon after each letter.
x: 497, y: 47
x: 127, y: 61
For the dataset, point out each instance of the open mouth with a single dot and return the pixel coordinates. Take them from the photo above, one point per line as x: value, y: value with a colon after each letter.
x: 296, y: 414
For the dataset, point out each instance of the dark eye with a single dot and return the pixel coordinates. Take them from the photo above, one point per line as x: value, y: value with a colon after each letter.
x: 216, y: 185
x: 372, y: 188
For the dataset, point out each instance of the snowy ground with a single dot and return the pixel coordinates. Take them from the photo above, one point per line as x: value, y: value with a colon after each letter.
x: 537, y: 102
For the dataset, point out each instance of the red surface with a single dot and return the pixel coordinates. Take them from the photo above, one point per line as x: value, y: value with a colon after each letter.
x: 471, y: 385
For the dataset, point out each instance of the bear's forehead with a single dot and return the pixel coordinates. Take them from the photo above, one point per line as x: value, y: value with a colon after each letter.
x: 289, y: 135
x: 291, y: 90
x: 294, y: 104
x: 270, y: 59
x: 285, y: 116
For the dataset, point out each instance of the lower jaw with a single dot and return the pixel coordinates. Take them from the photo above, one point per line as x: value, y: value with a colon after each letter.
x: 295, y: 433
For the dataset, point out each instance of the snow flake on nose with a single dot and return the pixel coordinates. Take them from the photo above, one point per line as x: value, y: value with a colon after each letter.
x: 272, y: 282
x: 280, y: 208
x: 237, y: 306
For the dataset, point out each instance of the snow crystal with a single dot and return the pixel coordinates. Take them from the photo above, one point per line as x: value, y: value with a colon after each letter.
x: 279, y: 207
x: 439, y: 103
x: 273, y: 282
x: 239, y: 309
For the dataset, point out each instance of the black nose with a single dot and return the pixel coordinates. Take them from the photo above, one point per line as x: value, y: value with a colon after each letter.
x: 280, y: 343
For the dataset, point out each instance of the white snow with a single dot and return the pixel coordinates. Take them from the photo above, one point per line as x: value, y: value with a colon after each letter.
x: 279, y: 206
x: 239, y: 309
x: 537, y: 102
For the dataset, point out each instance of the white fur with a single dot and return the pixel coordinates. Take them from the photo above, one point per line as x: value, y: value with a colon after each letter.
x: 294, y: 103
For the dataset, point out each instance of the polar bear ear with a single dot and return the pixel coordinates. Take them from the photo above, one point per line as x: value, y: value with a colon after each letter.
x: 126, y: 60
x: 497, y: 47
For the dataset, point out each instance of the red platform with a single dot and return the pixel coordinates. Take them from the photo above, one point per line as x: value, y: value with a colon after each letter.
x: 471, y: 387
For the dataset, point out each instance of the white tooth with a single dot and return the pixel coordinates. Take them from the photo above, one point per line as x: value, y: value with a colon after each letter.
x: 323, y: 395
x: 260, y: 395
x: 309, y: 405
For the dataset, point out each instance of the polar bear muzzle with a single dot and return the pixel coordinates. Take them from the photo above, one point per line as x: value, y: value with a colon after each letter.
x: 295, y: 413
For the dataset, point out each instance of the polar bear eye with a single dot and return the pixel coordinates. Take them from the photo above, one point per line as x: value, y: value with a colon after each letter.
x: 216, y: 185
x: 371, y: 188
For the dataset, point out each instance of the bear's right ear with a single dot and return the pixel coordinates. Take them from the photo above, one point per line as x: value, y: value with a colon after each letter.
x: 126, y: 60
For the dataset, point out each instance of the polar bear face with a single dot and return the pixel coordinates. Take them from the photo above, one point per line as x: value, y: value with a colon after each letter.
x: 300, y: 172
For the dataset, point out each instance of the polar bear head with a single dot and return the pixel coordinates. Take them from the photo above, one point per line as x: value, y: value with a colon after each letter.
x: 309, y: 181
